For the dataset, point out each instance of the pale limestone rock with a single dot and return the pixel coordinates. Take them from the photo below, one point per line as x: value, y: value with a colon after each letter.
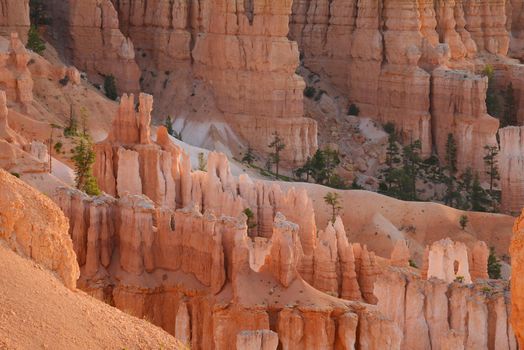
x: 449, y: 260
x: 183, y: 323
x: 511, y: 163
x: 128, y: 176
x: 400, y: 255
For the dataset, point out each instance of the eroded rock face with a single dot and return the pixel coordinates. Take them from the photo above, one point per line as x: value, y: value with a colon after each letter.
x: 14, y: 17
x: 33, y: 226
x: 403, y: 61
x: 438, y: 315
x: 517, y: 298
x: 243, y: 53
x: 88, y: 34
x: 511, y: 162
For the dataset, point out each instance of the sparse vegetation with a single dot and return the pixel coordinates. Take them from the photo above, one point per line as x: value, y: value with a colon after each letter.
x: 310, y: 92
x: 250, y: 218
x: 34, y: 42
x: 169, y: 125
x: 84, y: 158
x: 249, y: 157
x: 58, y: 147
x: 494, y: 265
x: 459, y: 279
x: 412, y: 263
x: 202, y: 162
x: 353, y: 110
x: 463, y: 221
x: 277, y: 145
x: 321, y: 168
x: 333, y: 200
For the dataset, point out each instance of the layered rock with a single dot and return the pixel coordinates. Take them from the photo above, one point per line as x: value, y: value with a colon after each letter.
x: 14, y: 17
x: 511, y: 163
x: 438, y: 315
x: 243, y: 53
x: 15, y: 77
x: 33, y: 226
x: 517, y: 298
x: 453, y: 261
x: 402, y: 62
x: 88, y: 34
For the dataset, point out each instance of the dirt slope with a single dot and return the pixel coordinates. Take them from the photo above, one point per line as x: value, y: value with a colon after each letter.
x: 38, y: 312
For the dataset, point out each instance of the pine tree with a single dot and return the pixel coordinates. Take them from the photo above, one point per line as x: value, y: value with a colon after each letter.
x: 249, y: 157
x: 412, y: 163
x: 277, y: 145
x: 169, y: 126
x: 493, y: 265
x: 451, y: 167
x: 72, y: 128
x: 478, y: 195
x: 110, y: 87
x: 84, y: 158
x: 490, y: 160
x: 34, y: 42
x: 463, y: 221
x: 333, y: 200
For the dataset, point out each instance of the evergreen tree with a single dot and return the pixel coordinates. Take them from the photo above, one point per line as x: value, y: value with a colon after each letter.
x: 451, y: 167
x: 463, y: 221
x: 110, y: 87
x: 169, y: 126
x: 34, y: 42
x: 478, y: 195
x: 37, y: 13
x: 490, y: 160
x: 72, y: 128
x: 84, y: 158
x: 412, y: 165
x: 333, y: 200
x: 493, y: 265
x: 321, y: 167
x: 250, y: 218
x: 277, y: 145
x: 353, y: 110
x: 249, y: 157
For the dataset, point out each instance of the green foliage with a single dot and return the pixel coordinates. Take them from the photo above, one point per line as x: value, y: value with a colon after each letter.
x: 249, y: 157
x: 491, y: 162
x: 310, y: 92
x: 321, y: 168
x: 355, y: 185
x: 277, y: 145
x: 479, y: 198
x: 389, y: 128
x: 169, y: 125
x: 250, y: 218
x: 452, y: 195
x: 34, y: 42
x: 84, y: 158
x: 202, y: 163
x: 333, y: 200
x: 353, y: 110
x: 58, y: 146
x: 493, y: 265
x: 459, y: 279
x: 110, y: 87
x: 17, y: 175
x: 72, y: 128
x: 412, y: 263
x: 463, y: 221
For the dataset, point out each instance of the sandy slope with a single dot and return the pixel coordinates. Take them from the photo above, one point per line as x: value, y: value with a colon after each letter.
x: 38, y: 312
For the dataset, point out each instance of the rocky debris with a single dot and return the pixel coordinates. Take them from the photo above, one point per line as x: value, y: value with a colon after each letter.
x: 392, y: 59
x: 257, y: 340
x: 33, y: 226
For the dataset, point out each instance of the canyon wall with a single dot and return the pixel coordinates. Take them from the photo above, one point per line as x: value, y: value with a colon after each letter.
x: 517, y: 262
x: 14, y: 17
x: 511, y: 163
x: 87, y: 34
x: 403, y: 61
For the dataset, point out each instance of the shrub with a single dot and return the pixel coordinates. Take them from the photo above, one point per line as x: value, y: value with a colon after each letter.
x: 34, y: 42
x: 353, y: 110
x: 493, y: 265
x: 310, y: 92
x: 463, y: 221
x: 64, y: 81
x: 412, y: 263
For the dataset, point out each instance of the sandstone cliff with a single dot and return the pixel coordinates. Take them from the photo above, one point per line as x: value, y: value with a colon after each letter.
x: 14, y: 17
